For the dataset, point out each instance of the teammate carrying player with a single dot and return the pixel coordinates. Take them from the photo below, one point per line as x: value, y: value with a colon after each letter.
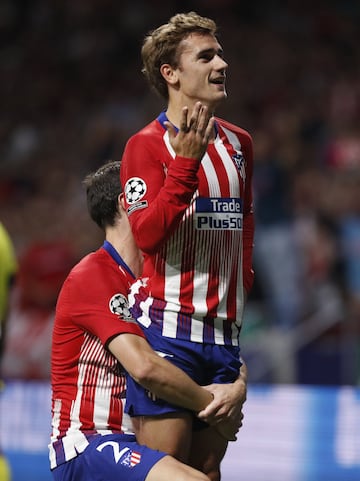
x: 94, y: 340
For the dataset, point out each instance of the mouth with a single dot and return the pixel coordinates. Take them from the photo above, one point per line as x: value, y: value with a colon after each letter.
x: 218, y: 80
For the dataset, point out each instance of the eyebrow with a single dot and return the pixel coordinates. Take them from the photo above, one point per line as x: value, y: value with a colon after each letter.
x: 210, y: 51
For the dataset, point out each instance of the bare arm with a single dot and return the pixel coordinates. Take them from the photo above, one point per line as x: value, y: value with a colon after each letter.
x: 157, y: 374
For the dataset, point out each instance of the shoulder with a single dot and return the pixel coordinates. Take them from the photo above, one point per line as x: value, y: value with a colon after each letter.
x: 148, y: 147
x: 92, y: 274
x: 88, y: 266
x: 243, y: 134
x: 149, y: 134
x: 78, y: 277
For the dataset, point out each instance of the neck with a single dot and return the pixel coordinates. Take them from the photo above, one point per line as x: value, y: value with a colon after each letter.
x: 125, y: 245
x: 174, y: 109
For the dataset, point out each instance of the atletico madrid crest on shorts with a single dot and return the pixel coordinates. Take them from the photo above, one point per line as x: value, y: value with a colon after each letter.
x: 131, y: 459
x: 135, y: 458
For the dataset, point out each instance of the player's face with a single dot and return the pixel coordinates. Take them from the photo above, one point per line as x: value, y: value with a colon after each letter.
x: 201, y: 71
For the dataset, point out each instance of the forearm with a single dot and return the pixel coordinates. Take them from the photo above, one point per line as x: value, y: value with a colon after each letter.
x: 155, y: 224
x: 166, y: 198
x: 157, y: 374
x: 172, y: 384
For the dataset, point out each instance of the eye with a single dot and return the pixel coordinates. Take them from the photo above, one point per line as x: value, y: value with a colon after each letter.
x: 207, y: 57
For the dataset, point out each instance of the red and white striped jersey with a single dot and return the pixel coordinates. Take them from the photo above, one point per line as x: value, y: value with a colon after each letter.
x: 195, y: 226
x: 88, y: 383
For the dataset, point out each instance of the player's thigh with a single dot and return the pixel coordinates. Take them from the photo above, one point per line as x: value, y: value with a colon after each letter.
x: 170, y: 433
x: 169, y: 468
x: 207, y: 451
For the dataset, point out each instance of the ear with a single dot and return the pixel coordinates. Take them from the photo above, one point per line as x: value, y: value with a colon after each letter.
x: 169, y: 73
x: 121, y: 201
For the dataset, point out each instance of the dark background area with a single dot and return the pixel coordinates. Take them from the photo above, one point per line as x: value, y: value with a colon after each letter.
x: 72, y: 93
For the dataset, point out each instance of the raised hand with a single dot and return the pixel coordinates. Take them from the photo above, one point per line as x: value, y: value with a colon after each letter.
x: 192, y: 139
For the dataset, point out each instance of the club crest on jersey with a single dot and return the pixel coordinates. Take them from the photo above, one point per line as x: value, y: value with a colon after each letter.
x: 131, y: 459
x: 239, y: 160
x: 135, y: 189
x: 119, y: 305
x: 223, y: 213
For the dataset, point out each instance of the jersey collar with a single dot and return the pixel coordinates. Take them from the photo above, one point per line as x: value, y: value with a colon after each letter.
x: 110, y: 249
x: 162, y: 118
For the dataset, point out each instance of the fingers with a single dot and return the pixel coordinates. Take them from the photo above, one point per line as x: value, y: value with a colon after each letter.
x: 209, y: 414
x: 184, y: 122
x: 202, y: 120
x: 209, y: 129
x: 199, y: 120
x: 194, y: 132
x: 196, y: 116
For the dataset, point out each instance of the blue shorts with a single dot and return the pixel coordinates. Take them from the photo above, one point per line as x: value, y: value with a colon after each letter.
x: 114, y: 457
x: 204, y: 363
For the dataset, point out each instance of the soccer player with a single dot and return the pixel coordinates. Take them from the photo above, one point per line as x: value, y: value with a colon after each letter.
x: 193, y: 220
x: 94, y: 340
x: 8, y: 270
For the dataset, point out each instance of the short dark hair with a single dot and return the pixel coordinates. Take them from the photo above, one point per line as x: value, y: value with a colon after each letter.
x: 102, y: 191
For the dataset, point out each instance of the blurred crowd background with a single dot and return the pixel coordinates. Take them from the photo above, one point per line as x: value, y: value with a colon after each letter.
x: 72, y: 93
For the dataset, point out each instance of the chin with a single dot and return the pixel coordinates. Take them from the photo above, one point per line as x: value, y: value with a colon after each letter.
x: 219, y: 99
x: 222, y: 94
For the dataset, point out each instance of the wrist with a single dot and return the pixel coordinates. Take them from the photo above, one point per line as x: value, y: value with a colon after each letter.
x: 205, y: 398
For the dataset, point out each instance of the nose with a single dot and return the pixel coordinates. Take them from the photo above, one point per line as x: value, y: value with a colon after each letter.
x: 221, y: 64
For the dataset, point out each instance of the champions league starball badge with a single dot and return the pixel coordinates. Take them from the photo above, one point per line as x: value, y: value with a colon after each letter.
x: 135, y: 189
x: 119, y: 305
